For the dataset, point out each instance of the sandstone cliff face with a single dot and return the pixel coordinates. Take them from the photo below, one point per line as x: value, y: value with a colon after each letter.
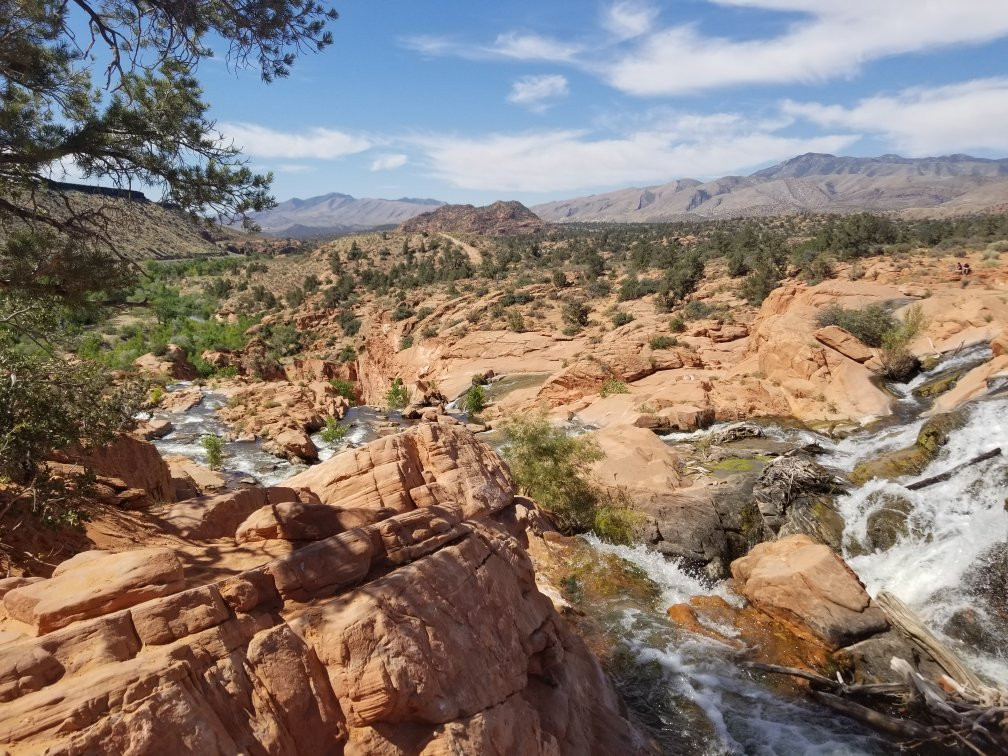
x: 421, y: 633
x: 498, y: 219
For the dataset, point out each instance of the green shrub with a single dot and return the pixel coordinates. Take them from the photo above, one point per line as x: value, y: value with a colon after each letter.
x: 868, y: 324
x: 758, y: 284
x: 696, y: 310
x: 334, y: 431
x: 612, y: 386
x: 474, y: 400
x: 677, y: 324
x: 429, y: 331
x: 515, y: 321
x: 897, y: 362
x: 817, y: 270
x: 559, y: 279
x: 620, y: 318
x: 402, y: 311
x: 397, y: 395
x: 344, y: 388
x: 347, y: 354
x: 660, y: 341
x: 213, y: 445
x: 575, y: 313
x: 156, y: 395
x: 554, y: 470
x: 405, y: 342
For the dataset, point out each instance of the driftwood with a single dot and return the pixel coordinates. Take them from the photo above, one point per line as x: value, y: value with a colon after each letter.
x: 952, y: 471
x: 958, y: 713
x: 902, y: 617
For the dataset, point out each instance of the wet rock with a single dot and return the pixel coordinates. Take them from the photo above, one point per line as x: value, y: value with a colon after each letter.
x: 937, y: 386
x: 889, y: 523
x: 193, y: 479
x: 977, y: 629
x: 150, y: 429
x: 294, y: 445
x: 93, y: 583
x: 807, y: 587
x: 817, y: 517
x: 913, y: 460
x: 900, y: 366
x: 181, y: 401
x: 786, y: 480
x: 734, y: 432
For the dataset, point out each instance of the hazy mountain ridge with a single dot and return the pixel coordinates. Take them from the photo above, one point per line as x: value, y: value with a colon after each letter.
x: 335, y: 213
x: 812, y: 182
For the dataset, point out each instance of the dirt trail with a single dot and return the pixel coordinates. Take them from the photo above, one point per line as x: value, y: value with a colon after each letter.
x: 474, y: 254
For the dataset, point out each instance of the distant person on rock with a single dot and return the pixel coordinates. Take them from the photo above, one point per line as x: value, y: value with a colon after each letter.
x: 966, y: 269
x: 959, y: 267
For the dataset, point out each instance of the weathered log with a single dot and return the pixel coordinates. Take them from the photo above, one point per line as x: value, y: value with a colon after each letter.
x: 917, y: 485
x: 902, y: 617
x: 903, y: 728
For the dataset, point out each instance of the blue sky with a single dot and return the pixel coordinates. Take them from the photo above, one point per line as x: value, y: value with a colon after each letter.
x: 472, y: 101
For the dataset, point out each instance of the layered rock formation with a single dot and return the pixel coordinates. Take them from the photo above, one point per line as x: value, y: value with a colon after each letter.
x: 423, y: 632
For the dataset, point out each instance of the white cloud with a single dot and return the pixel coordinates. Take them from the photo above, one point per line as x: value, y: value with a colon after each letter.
x: 628, y: 19
x: 921, y: 121
x: 834, y: 40
x: 316, y: 143
x: 570, y: 160
x: 388, y: 162
x: 294, y: 168
x: 533, y: 47
x: 535, y: 92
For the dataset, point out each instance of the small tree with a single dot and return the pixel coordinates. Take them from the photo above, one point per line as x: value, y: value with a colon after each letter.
x: 334, y: 431
x: 396, y: 396
x: 213, y: 445
x: 474, y: 400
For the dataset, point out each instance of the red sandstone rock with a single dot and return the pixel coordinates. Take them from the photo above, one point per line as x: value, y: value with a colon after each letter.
x: 94, y: 583
x: 811, y: 590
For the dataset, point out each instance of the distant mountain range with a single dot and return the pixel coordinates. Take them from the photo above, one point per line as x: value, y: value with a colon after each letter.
x: 337, y: 213
x: 813, y: 183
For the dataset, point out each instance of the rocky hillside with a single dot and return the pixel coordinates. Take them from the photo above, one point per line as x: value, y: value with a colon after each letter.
x: 498, y: 219
x: 335, y: 213
x: 149, y: 230
x: 808, y: 183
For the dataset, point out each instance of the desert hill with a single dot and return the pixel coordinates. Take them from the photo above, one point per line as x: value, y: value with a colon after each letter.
x: 335, y: 213
x: 498, y: 219
x: 816, y: 183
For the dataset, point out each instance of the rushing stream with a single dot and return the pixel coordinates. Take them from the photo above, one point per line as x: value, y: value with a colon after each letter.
x: 950, y: 525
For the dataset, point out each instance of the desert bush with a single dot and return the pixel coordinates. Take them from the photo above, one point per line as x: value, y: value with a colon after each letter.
x: 347, y: 354
x: 350, y: 324
x: 405, y: 342
x: 696, y: 310
x: 758, y: 284
x: 868, y: 324
x: 474, y: 400
x: 620, y: 318
x: 344, y: 388
x: 998, y: 246
x: 554, y: 470
x: 429, y: 331
x: 660, y: 341
x: 515, y: 321
x: 294, y: 297
x: 559, y: 279
x: 817, y: 270
x: 897, y: 362
x: 677, y: 324
x: 334, y: 431
x: 397, y: 395
x: 402, y: 311
x: 575, y: 313
x: 612, y: 386
x: 213, y: 445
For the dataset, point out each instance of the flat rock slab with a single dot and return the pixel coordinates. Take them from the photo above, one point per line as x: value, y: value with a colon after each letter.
x: 94, y: 583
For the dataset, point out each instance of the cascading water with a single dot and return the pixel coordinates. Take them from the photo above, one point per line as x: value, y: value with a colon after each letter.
x: 950, y: 525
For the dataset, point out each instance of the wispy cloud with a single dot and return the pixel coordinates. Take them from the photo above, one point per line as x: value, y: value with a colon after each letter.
x: 634, y: 54
x: 628, y: 19
x: 925, y: 121
x: 388, y: 162
x: 570, y: 160
x: 293, y: 168
x: 537, y: 92
x: 315, y: 143
x: 834, y: 40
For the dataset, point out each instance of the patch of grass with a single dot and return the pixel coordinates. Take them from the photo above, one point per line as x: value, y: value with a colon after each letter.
x: 660, y: 341
x: 612, y: 386
x: 334, y: 431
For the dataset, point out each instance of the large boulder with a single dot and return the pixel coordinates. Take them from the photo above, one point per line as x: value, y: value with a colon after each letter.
x: 136, y: 464
x: 807, y: 587
x: 94, y: 583
x: 219, y: 515
x: 173, y: 363
x: 428, y: 464
x: 293, y: 444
